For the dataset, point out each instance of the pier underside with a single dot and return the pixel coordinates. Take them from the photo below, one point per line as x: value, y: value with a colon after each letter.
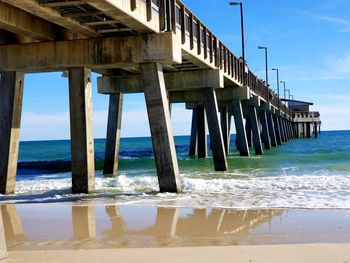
x: 137, y: 47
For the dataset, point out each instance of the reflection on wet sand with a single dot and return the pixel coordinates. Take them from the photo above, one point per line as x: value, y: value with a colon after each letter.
x: 84, y: 223
x: 12, y: 222
x: 112, y: 226
x: 3, y: 246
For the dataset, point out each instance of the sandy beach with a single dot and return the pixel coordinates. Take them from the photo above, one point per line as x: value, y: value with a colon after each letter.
x: 302, y: 253
x: 105, y: 232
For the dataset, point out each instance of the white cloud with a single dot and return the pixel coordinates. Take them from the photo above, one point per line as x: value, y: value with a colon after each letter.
x: 336, y: 20
x: 51, y: 126
x: 330, y: 67
x: 334, y: 117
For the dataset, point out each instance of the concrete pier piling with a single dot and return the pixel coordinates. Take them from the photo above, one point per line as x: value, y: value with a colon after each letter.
x: 241, y: 135
x: 265, y: 130
x: 113, y: 134
x: 253, y: 117
x: 272, y: 131
x: 277, y: 130
x: 308, y: 130
x: 282, y: 130
x: 81, y: 126
x: 11, y: 96
x: 224, y: 115
x: 160, y: 126
x: 216, y: 138
x: 202, y: 132
x: 315, y: 130
x: 249, y: 131
x: 194, y: 134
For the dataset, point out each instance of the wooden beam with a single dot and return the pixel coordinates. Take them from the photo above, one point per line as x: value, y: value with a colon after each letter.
x: 116, y: 52
x: 19, y: 22
x: 47, y: 13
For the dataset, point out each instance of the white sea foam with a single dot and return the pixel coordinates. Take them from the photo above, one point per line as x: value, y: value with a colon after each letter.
x: 287, y: 191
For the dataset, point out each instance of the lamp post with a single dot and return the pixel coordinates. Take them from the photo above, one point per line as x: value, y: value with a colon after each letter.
x: 242, y: 32
x: 266, y: 66
x: 278, y: 86
x: 287, y: 90
x: 284, y: 88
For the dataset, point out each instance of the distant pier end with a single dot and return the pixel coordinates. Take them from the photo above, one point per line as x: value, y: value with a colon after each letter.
x: 159, y: 48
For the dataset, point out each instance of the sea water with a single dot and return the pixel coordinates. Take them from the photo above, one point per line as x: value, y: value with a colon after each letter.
x: 303, y: 173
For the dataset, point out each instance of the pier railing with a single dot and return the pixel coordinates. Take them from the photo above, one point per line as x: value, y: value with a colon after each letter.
x: 174, y: 15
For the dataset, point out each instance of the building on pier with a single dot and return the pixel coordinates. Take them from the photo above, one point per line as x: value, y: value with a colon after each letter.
x: 306, y: 122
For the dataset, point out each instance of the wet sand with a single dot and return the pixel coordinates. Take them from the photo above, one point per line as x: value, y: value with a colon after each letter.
x: 97, y: 232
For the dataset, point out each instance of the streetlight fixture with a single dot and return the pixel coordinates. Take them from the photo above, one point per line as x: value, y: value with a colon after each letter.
x: 266, y: 66
x: 242, y: 32
x: 284, y: 87
x: 278, y: 85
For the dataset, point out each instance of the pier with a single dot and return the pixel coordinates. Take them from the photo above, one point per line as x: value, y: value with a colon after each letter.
x: 159, y: 48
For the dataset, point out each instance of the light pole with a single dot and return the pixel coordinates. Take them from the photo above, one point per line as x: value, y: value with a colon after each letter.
x: 266, y: 66
x: 242, y: 32
x: 278, y: 86
x: 287, y: 90
x: 284, y: 88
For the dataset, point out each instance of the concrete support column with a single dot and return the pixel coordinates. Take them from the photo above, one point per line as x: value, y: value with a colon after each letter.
x: 285, y: 129
x: 81, y: 129
x: 291, y: 128
x: 160, y: 126
x: 316, y: 131
x: 308, y: 130
x: 11, y: 95
x: 272, y: 132
x: 265, y: 130
x: 283, y: 137
x: 229, y: 123
x: 256, y: 130
x: 241, y: 136
x: 277, y: 130
x: 194, y: 134
x: 225, y: 128
x: 248, y: 129
x: 3, y: 246
x: 202, y: 132
x: 304, y: 129
x: 216, y: 140
x: 301, y: 130
x: 297, y: 130
x: 288, y: 129
x: 113, y: 134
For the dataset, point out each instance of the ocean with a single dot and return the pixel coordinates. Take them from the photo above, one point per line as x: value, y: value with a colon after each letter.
x: 303, y: 173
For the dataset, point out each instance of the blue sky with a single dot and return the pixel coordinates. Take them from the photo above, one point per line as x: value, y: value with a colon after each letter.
x: 307, y: 40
